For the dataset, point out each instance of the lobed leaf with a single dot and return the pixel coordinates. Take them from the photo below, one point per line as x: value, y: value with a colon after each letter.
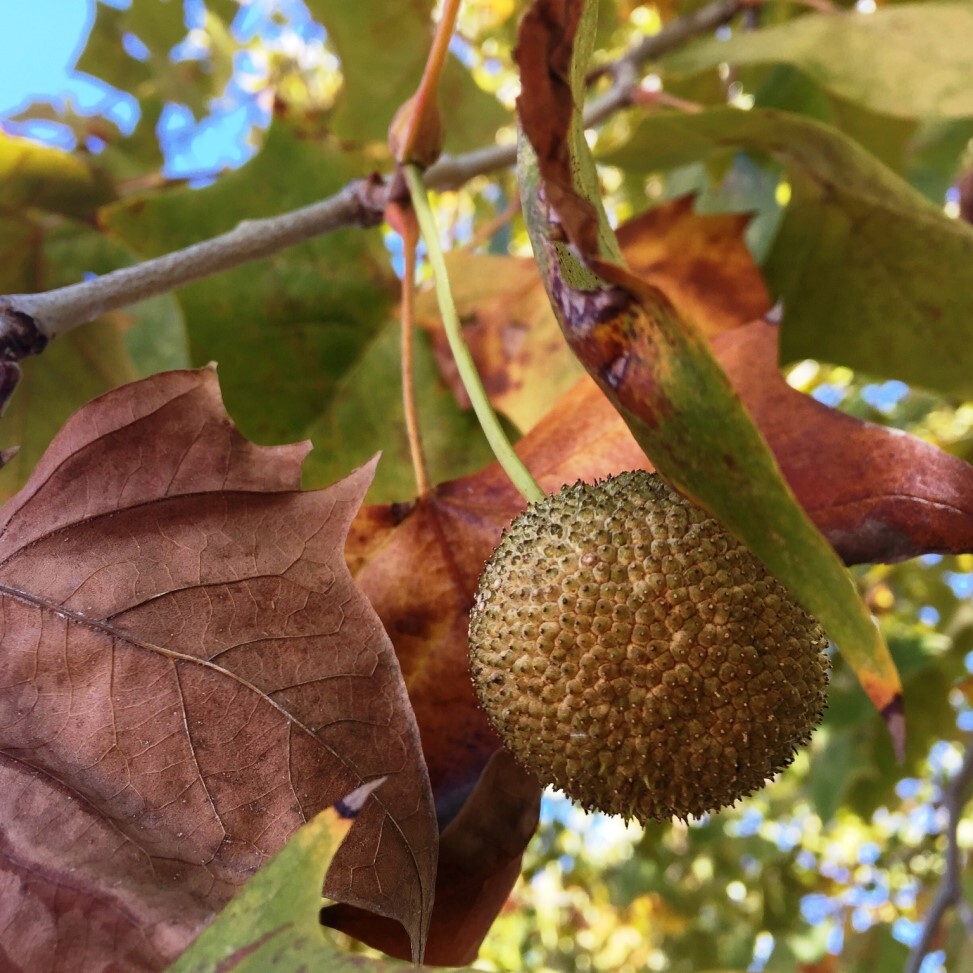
x: 884, y: 508
x: 160, y: 25
x: 284, y: 329
x: 187, y: 675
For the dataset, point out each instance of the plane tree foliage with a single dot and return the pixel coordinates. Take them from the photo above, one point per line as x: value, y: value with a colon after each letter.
x: 233, y: 672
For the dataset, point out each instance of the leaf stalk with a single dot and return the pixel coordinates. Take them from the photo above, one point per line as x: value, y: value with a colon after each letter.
x: 512, y: 464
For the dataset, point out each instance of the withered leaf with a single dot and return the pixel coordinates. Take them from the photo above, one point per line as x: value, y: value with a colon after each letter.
x: 877, y: 494
x: 187, y: 675
x: 480, y: 854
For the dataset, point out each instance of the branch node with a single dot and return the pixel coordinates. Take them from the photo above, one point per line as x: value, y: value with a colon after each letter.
x: 20, y: 334
x: 372, y: 196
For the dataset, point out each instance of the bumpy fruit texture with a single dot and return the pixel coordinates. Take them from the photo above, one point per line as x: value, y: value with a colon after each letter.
x: 634, y: 654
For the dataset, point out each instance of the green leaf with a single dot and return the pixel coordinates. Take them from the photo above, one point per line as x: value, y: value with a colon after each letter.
x: 41, y: 177
x: 366, y: 415
x: 872, y: 274
x: 145, y: 338
x: 284, y: 330
x: 910, y: 60
x: 160, y: 25
x: 658, y: 369
x: 383, y: 49
x: 272, y: 923
x: 783, y: 87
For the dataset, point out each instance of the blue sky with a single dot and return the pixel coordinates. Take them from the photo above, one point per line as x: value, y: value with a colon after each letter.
x: 39, y: 42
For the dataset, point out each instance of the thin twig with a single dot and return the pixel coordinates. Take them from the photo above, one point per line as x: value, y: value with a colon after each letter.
x: 29, y: 321
x: 58, y: 311
x: 485, y: 231
x: 625, y: 71
x: 950, y: 889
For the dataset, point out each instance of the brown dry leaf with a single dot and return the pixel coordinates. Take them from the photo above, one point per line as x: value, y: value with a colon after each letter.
x: 188, y: 674
x: 877, y: 494
x: 480, y: 855
x: 699, y: 260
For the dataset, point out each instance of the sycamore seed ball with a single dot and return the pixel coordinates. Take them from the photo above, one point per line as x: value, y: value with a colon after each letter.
x: 632, y: 653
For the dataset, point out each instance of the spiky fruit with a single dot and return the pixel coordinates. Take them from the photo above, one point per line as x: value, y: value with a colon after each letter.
x: 634, y: 654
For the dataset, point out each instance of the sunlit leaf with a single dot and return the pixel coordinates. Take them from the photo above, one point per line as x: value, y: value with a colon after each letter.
x: 383, y: 49
x: 909, y: 60
x: 871, y: 274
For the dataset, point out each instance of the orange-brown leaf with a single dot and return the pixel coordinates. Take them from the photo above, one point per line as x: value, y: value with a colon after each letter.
x: 187, y: 675
x: 877, y: 494
x: 480, y: 855
x: 700, y: 261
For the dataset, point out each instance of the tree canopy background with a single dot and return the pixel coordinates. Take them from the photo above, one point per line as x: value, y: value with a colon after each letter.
x: 810, y: 154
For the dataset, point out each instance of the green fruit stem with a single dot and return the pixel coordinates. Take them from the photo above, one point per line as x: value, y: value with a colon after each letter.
x: 512, y: 464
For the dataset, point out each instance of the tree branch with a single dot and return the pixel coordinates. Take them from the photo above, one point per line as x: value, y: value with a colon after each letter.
x: 29, y: 321
x: 950, y: 889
